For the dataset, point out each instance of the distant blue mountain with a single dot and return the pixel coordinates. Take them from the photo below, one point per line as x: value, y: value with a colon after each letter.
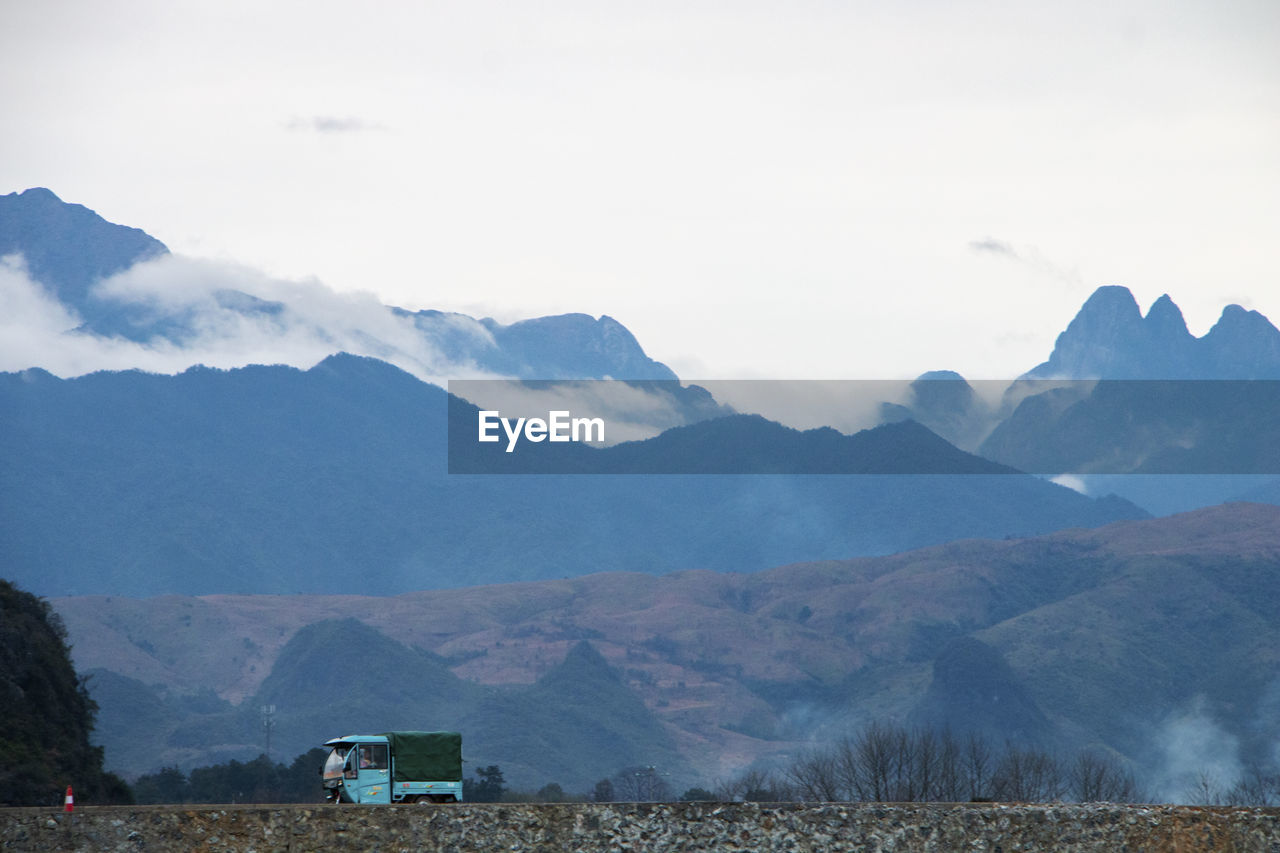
x: 1146, y: 426
x: 729, y: 444
x: 1111, y: 339
x: 946, y: 403
x: 272, y: 479
x: 564, y: 346
x: 1215, y: 418
x: 68, y: 248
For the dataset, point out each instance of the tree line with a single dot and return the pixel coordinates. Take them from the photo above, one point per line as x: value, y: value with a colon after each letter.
x: 882, y: 763
x: 256, y: 781
x: 890, y: 763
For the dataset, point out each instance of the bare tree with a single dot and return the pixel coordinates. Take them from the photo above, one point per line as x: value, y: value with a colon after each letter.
x: 640, y: 784
x: 949, y: 781
x: 978, y: 767
x: 756, y: 786
x: 846, y: 767
x: 1204, y: 790
x: 1027, y: 776
x: 890, y: 763
x: 873, y: 762
x: 603, y: 792
x: 886, y: 762
x: 1094, y: 777
x: 1255, y: 788
x: 815, y: 777
x: 921, y: 766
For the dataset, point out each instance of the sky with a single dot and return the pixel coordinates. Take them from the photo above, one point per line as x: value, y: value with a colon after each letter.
x: 779, y: 190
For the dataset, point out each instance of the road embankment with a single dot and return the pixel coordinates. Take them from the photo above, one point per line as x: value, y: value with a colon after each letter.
x: 589, y: 827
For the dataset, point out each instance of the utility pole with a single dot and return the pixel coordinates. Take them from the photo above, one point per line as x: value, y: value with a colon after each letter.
x: 268, y: 723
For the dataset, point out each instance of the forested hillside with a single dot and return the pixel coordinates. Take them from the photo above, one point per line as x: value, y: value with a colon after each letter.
x: 48, y: 714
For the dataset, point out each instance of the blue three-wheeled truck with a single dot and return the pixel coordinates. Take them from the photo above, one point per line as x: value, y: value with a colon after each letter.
x: 395, y: 767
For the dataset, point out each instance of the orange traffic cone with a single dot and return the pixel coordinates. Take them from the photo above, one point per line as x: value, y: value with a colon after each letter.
x: 70, y: 801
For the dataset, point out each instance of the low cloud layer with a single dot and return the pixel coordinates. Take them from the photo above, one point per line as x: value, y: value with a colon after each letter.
x: 225, y: 315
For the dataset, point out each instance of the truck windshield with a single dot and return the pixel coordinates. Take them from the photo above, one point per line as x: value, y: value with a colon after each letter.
x: 333, y: 764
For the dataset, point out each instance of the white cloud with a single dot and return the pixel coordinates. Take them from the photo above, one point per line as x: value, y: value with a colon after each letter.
x: 333, y: 124
x: 1028, y: 256
x: 229, y: 315
x: 297, y: 323
x: 1072, y: 481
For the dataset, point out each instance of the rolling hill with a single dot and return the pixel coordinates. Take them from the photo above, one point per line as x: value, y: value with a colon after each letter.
x: 1082, y: 637
x: 277, y: 480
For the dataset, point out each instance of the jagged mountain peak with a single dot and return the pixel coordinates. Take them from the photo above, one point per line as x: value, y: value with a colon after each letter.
x: 1112, y: 298
x: 1243, y: 344
x: 1238, y: 318
x: 1097, y: 336
x: 573, y: 345
x: 68, y: 246
x: 39, y: 194
x: 1110, y: 339
x: 1110, y: 310
x: 1166, y: 318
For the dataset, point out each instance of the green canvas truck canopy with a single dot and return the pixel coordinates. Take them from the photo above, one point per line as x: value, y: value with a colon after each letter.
x: 426, y: 756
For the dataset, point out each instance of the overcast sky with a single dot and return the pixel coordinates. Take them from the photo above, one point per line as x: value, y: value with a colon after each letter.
x: 789, y: 190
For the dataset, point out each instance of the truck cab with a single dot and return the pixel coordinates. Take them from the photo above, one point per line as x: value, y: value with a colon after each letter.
x: 358, y: 769
x: 395, y: 767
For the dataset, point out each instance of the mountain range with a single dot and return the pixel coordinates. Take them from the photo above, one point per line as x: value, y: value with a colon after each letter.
x: 586, y: 618
x: 1111, y: 339
x: 70, y: 250
x: 1128, y: 405
x: 277, y: 480
x: 1116, y: 426
x: 1116, y: 638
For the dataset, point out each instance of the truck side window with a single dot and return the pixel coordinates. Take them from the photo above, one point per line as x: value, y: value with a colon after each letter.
x: 377, y: 756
